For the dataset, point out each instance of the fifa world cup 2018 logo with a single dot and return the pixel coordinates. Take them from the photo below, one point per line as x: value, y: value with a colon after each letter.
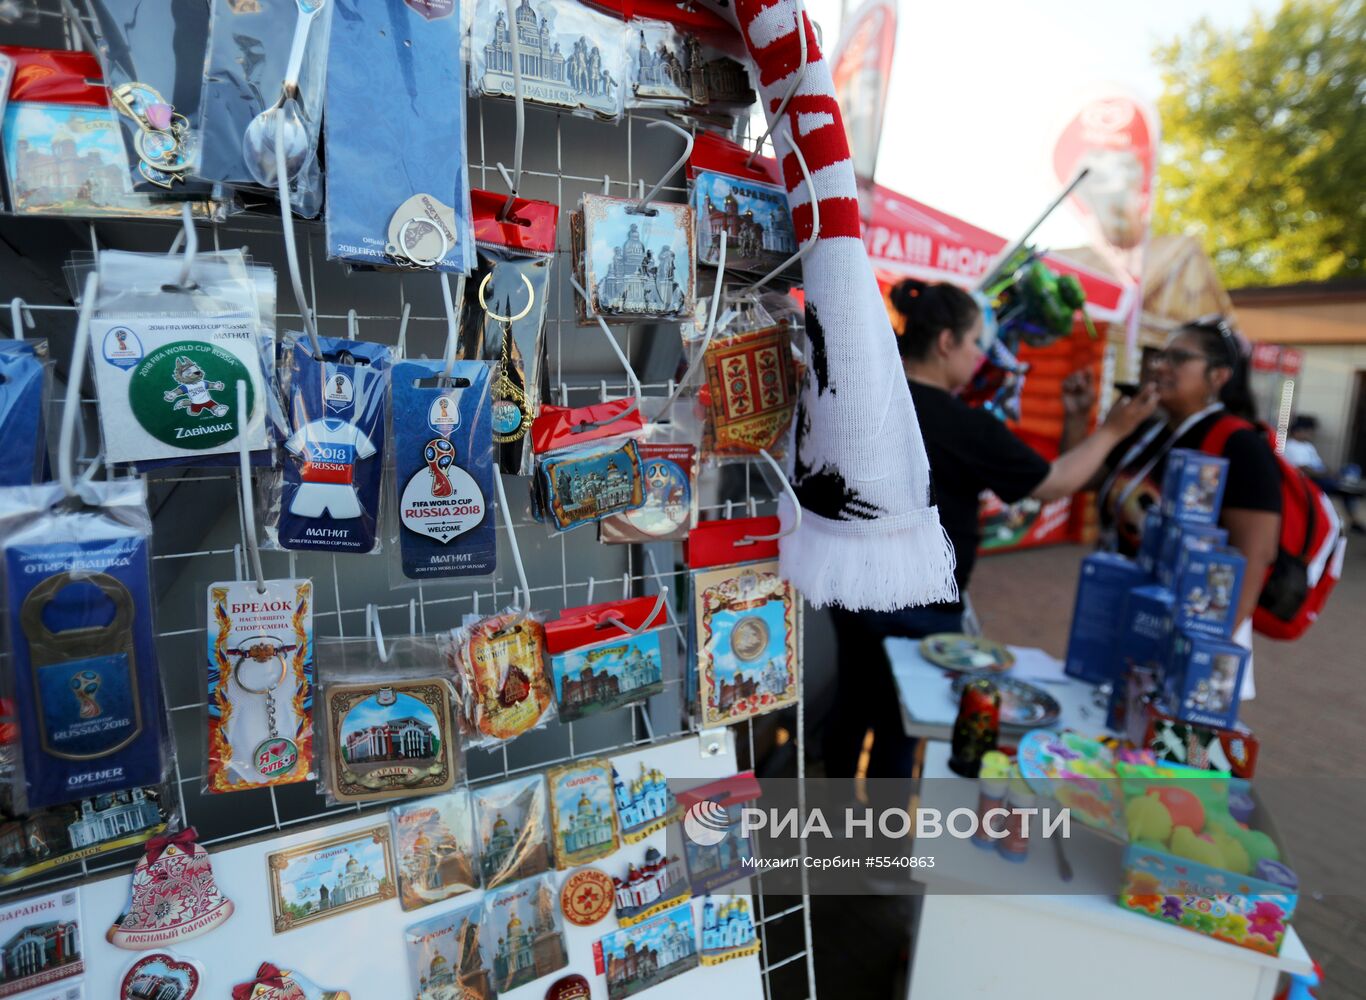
x: 84, y: 685
x: 341, y: 381
x: 122, y: 337
x: 440, y: 455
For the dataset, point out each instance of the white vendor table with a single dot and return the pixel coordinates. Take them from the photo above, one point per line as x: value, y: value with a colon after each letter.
x: 928, y: 707
x: 1060, y: 947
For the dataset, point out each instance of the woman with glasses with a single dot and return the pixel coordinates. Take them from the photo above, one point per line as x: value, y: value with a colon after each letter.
x: 1201, y: 375
x: 969, y: 450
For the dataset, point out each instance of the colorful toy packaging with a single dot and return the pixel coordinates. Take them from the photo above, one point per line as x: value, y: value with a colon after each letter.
x: 83, y: 674
x: 1203, y: 680
x: 1105, y: 582
x: 1193, y: 486
x: 443, y: 441
x: 1179, y: 538
x: 1228, y: 751
x: 1206, y: 586
x: 1145, y: 631
x: 327, y: 493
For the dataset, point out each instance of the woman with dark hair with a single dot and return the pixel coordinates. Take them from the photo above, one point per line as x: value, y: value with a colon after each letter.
x: 969, y: 451
x: 1201, y: 375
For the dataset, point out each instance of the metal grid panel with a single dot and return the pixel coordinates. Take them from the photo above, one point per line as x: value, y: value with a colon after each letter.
x: 564, y: 570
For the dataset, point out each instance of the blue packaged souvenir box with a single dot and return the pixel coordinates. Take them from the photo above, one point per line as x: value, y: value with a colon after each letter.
x: 1179, y: 538
x: 1150, y: 545
x: 1106, y: 579
x: 1206, y: 586
x: 1204, y: 679
x: 1193, y: 486
x: 1145, y: 632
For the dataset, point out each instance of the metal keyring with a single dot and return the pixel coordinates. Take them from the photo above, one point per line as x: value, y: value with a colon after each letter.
x: 237, y: 674
x: 402, y: 242
x: 531, y: 298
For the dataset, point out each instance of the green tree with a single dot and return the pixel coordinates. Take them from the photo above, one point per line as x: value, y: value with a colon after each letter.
x: 1264, y: 143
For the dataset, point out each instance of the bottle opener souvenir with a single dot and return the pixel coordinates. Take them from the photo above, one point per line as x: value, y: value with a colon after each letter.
x: 606, y: 656
x: 444, y: 959
x: 434, y: 845
x: 174, y: 896
x: 522, y: 933
x: 389, y: 740
x: 510, y: 824
x: 260, y: 671
x: 582, y: 815
x: 747, y: 202
x: 334, y: 454
x: 161, y: 976
x: 572, y: 57
x: 636, y: 264
x: 51, y: 926
x: 727, y: 930
x: 501, y: 668
x: 645, y: 805
x: 443, y: 445
x: 670, y: 936
x: 84, y: 676
x: 587, y: 897
x: 272, y: 983
x: 751, y: 391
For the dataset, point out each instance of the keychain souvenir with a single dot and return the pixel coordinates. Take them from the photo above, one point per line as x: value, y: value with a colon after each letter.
x: 84, y: 675
x: 260, y: 670
x: 24, y: 374
x: 651, y: 885
x: 587, y: 462
x: 573, y: 58
x: 444, y: 959
x: 727, y: 929
x: 388, y: 739
x: 747, y: 621
x: 582, y: 818
x: 645, y: 803
x: 745, y: 201
x: 636, y: 264
x: 522, y: 933
x: 434, y: 847
x: 397, y: 188
x: 716, y: 809
x: 327, y: 493
x: 174, y: 896
x: 443, y: 457
x: 273, y: 983
x: 50, y: 925
x: 504, y: 316
x: 161, y: 976
x: 606, y: 656
x: 510, y: 824
x: 751, y: 388
x: 167, y: 359
x: 670, y: 937
x: 501, y: 674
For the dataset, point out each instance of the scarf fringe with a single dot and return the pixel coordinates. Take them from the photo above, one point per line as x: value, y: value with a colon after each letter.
x: 881, y: 565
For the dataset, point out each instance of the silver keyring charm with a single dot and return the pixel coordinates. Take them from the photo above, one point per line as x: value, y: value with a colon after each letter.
x: 403, y: 242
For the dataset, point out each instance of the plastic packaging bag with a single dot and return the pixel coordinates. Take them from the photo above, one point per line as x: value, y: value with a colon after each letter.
x: 326, y: 493
x: 503, y: 321
x: 501, y: 676
x: 435, y: 848
x: 751, y: 393
x: 25, y: 384
x: 746, y: 202
x: 260, y: 685
x: 511, y: 822
x: 662, y: 74
x: 248, y: 52
x: 397, y: 188
x: 573, y: 58
x: 167, y: 359
x: 607, y: 656
x: 443, y: 460
x: 386, y: 727
x: 634, y: 265
x: 669, y: 448
x: 587, y: 463
x: 152, y: 52
x: 84, y: 678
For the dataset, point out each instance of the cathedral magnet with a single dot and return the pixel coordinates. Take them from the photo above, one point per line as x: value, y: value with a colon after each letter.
x: 161, y: 976
x: 323, y: 878
x: 522, y: 933
x: 434, y: 843
x: 583, y: 820
x: 637, y: 265
x: 389, y: 740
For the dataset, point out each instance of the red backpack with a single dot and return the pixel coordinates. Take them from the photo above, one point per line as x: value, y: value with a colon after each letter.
x: 1309, y: 557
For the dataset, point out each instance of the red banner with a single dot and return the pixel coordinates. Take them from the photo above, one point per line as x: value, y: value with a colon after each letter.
x: 862, y: 67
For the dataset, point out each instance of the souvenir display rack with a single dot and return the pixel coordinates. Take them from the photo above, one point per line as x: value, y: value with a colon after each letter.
x: 196, y: 542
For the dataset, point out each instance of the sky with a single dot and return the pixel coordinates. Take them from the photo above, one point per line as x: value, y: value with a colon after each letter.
x: 980, y: 91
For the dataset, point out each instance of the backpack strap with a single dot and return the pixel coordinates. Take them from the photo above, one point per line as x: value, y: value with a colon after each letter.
x: 1224, y: 428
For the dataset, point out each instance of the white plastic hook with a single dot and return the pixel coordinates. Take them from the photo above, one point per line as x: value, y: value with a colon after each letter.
x: 515, y: 182
x: 811, y: 240
x: 606, y: 184
x: 512, y: 541
x: 412, y: 616
x: 402, y: 349
x: 20, y: 317
x: 791, y: 495
x: 191, y: 238
x: 631, y: 378
x: 648, y: 624
x: 626, y: 585
x: 291, y: 250
x: 592, y: 583
x: 452, y: 322
x: 475, y: 602
x: 66, y: 473
x: 351, y: 324
x: 248, y: 507
x: 372, y: 626
x: 706, y: 339
x: 643, y: 205
x: 791, y: 88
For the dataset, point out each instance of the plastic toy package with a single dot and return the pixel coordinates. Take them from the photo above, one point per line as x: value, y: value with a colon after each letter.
x: 751, y: 393
x: 325, y: 495
x: 501, y: 677
x: 386, y: 728
x: 587, y: 463
x: 84, y: 680
x: 260, y: 685
x: 443, y: 460
x: 397, y: 189
x: 503, y: 320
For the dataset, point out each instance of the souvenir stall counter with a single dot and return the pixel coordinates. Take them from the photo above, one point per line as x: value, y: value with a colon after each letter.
x: 379, y: 606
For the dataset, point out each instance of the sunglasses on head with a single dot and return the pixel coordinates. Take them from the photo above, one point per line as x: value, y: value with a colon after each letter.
x: 1218, y: 324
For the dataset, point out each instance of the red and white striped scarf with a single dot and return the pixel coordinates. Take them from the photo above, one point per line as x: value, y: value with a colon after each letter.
x: 869, y: 535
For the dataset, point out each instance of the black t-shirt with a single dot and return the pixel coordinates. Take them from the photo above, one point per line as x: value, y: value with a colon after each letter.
x: 971, y: 451
x: 1253, y: 481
